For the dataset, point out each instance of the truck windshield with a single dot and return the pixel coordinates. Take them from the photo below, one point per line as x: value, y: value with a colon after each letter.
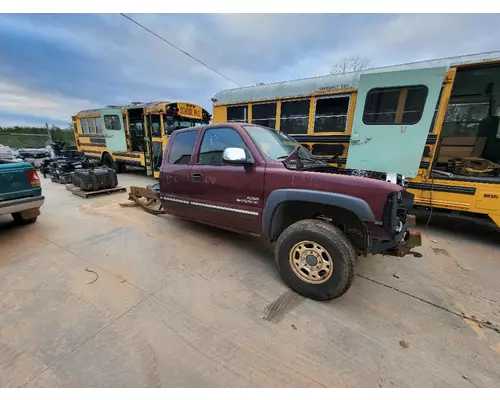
x: 274, y: 144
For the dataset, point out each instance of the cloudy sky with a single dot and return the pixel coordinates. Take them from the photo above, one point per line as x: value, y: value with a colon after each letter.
x: 52, y: 66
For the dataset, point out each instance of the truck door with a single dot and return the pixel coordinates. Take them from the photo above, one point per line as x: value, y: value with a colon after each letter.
x: 222, y: 194
x: 175, y: 179
x: 392, y: 120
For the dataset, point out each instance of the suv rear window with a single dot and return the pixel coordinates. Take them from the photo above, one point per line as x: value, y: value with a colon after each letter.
x: 182, y: 148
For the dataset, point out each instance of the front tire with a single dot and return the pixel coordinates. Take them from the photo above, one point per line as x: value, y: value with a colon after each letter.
x: 20, y: 220
x: 316, y: 259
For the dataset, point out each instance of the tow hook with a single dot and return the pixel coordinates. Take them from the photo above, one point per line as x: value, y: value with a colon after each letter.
x: 412, y: 239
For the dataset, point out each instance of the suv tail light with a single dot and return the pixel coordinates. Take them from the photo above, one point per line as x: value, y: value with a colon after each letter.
x: 33, y: 178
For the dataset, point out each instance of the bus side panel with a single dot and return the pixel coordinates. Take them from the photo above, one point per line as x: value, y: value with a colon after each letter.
x: 220, y: 114
x: 480, y: 198
x: 115, y: 138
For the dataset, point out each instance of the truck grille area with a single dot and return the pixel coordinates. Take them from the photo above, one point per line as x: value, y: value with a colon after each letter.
x: 396, y: 210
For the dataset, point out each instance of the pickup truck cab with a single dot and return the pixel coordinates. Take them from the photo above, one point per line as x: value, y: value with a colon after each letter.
x: 256, y: 180
x: 20, y: 191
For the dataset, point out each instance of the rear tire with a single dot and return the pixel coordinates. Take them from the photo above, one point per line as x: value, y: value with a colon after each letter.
x: 20, y: 220
x: 316, y: 259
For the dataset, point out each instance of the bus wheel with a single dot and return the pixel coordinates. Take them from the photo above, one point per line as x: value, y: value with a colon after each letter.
x: 108, y: 161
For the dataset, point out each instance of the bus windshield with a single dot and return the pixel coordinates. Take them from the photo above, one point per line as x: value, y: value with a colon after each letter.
x: 274, y: 144
x: 172, y: 124
x: 188, y: 124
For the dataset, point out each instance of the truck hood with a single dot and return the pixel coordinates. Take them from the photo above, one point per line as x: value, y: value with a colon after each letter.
x: 373, y: 191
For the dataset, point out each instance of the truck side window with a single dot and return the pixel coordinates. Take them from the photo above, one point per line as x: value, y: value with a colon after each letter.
x: 215, y: 141
x: 182, y: 148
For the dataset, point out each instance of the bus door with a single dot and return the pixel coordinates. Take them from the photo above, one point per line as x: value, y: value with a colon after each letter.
x: 113, y: 130
x: 153, y: 145
x: 75, y: 133
x: 392, y: 119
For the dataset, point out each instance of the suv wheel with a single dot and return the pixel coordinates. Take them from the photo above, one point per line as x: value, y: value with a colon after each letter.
x: 316, y: 259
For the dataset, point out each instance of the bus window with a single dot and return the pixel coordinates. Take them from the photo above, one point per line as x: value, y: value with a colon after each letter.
x: 112, y: 122
x: 237, y: 114
x: 414, y: 106
x: 324, y: 149
x: 395, y: 106
x: 264, y: 114
x: 83, y: 122
x: 98, y: 125
x: 331, y: 114
x: 168, y: 124
x: 155, y: 125
x: 91, y: 123
x: 469, y: 144
x: 157, y: 156
x: 294, y: 118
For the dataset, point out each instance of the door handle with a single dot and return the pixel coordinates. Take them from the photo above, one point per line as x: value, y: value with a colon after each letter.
x: 196, y: 177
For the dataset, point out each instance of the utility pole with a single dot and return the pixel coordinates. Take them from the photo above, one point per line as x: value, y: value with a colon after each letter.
x: 48, y: 132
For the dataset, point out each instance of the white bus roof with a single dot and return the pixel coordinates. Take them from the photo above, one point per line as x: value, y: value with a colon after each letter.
x: 308, y: 86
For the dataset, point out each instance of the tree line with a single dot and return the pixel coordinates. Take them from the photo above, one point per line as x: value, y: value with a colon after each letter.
x: 34, y: 136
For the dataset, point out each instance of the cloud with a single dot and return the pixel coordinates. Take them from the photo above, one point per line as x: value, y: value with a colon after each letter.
x: 18, y: 100
x: 59, y: 64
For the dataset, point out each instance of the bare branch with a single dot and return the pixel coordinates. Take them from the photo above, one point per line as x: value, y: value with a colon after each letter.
x: 350, y: 64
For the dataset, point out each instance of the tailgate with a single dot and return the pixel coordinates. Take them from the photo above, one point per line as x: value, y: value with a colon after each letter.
x: 14, y: 182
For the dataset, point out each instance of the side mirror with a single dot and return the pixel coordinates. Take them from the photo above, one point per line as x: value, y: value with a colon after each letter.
x: 236, y: 156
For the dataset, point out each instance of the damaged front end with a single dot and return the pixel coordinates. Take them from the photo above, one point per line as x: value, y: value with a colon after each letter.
x: 411, y: 239
x: 396, y: 221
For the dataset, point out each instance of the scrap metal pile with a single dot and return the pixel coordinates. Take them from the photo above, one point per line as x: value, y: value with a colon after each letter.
x: 94, y: 179
x: 35, y: 156
x: 63, y: 162
x: 69, y: 166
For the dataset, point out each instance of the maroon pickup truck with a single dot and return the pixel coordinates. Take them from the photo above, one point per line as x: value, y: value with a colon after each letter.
x: 252, y: 179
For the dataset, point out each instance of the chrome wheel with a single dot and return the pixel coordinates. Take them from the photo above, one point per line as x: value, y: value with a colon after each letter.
x: 311, y: 262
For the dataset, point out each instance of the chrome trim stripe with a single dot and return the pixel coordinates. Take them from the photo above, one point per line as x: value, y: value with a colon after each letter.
x: 174, y: 200
x: 236, y: 210
x: 212, y: 206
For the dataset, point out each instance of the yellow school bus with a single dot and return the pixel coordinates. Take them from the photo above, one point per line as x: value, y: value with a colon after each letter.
x: 135, y: 134
x: 435, y: 122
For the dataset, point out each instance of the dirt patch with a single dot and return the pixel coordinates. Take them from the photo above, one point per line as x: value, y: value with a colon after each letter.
x: 440, y: 251
x: 444, y: 252
x: 279, y: 308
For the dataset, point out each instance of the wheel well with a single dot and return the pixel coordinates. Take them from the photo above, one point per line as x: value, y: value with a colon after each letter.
x: 290, y: 212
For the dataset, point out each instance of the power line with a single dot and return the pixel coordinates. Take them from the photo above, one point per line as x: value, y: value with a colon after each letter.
x: 174, y: 46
